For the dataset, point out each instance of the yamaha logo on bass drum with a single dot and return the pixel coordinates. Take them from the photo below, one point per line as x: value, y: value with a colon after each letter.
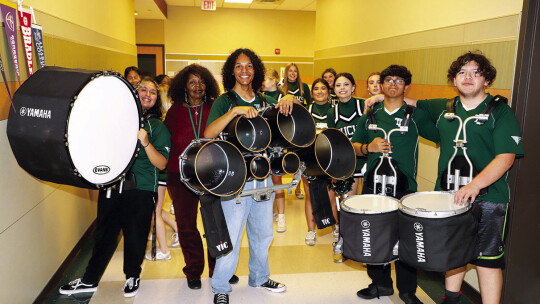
x: 102, y: 169
x: 420, y: 249
x: 38, y: 113
x: 366, y: 238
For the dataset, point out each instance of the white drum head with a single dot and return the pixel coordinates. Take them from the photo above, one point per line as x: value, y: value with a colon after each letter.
x: 102, y: 129
x: 431, y: 204
x: 369, y: 203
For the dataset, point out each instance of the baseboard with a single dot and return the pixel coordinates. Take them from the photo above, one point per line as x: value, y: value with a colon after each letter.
x: 55, y: 279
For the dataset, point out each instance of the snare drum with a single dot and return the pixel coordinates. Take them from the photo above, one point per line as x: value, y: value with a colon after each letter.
x: 369, y: 227
x: 75, y: 127
x: 434, y: 233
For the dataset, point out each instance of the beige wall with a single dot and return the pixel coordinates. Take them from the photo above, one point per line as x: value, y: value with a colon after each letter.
x: 41, y: 222
x: 426, y: 36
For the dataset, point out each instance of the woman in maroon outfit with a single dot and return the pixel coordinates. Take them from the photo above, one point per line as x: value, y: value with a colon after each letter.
x: 192, y: 92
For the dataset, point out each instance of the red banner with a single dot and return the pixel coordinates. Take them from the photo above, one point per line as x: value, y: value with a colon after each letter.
x: 26, y: 32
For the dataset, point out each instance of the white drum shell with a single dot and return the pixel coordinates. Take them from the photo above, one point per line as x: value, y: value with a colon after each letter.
x: 431, y: 204
x: 370, y: 204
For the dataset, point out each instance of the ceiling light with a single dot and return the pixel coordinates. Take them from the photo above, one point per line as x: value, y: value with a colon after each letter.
x: 239, y: 1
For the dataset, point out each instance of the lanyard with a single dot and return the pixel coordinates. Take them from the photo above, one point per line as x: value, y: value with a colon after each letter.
x: 198, y: 133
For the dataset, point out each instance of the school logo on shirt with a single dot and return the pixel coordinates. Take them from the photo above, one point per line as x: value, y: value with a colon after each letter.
x: 517, y: 139
x: 398, y: 121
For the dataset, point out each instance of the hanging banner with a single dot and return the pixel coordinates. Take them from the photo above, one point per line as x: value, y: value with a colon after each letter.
x: 38, y: 43
x: 5, y: 82
x: 26, y: 32
x: 10, y: 26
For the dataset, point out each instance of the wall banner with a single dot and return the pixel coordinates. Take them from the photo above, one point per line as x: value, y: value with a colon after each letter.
x: 38, y: 43
x: 10, y: 26
x: 25, y: 19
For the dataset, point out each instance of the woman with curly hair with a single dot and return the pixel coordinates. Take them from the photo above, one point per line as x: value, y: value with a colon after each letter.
x: 243, y: 75
x: 192, y: 92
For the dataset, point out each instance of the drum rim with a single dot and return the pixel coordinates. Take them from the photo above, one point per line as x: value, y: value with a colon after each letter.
x: 199, y: 179
x: 317, y: 159
x: 363, y: 211
x: 431, y: 214
x: 256, y: 117
x: 253, y: 159
x: 141, y: 125
x: 278, y: 115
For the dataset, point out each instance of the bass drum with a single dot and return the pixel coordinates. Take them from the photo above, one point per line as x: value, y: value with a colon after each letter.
x: 213, y: 166
x: 75, y: 127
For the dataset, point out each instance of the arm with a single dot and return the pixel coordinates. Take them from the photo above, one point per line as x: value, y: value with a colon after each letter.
x: 491, y: 173
x: 214, y: 128
x: 157, y: 159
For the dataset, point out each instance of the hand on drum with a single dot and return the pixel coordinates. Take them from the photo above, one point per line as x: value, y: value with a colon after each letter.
x: 465, y: 193
x: 380, y: 145
x: 249, y: 112
x: 143, y: 137
x: 285, y: 106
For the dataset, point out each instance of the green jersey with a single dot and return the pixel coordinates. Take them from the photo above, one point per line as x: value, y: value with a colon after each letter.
x: 222, y: 105
x: 145, y: 173
x: 344, y: 116
x: 293, y: 89
x: 274, y: 94
x: 405, y: 146
x: 500, y: 134
x: 333, y: 97
x: 319, y: 113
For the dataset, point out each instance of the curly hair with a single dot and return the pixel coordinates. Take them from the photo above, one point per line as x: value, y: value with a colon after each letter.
x: 227, y: 72
x: 155, y: 110
x: 177, y: 89
x: 484, y: 66
x: 399, y: 71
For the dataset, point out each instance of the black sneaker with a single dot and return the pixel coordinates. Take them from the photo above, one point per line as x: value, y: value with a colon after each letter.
x: 234, y: 279
x: 373, y: 291
x: 273, y: 286
x: 409, y: 298
x: 449, y: 300
x: 77, y: 286
x: 221, y: 298
x: 131, y: 287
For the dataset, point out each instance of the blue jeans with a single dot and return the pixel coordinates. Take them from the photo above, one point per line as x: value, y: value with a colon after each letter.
x: 260, y: 233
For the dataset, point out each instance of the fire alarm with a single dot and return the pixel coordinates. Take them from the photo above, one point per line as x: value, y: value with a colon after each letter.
x: 277, y: 51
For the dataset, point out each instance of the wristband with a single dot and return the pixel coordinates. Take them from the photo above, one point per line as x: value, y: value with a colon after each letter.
x: 367, y: 150
x: 146, y: 145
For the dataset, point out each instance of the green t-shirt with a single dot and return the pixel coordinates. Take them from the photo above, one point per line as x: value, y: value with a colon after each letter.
x: 319, y: 112
x: 293, y: 89
x: 222, y: 105
x: 405, y: 146
x: 145, y: 173
x: 348, y: 114
x: 500, y: 134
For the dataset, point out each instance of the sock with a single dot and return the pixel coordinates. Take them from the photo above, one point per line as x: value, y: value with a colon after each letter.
x: 451, y: 296
x: 281, y: 216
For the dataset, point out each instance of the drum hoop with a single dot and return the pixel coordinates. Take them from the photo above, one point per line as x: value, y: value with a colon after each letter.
x: 253, y: 159
x: 319, y: 163
x: 364, y: 211
x: 181, y: 161
x: 137, y: 146
x: 431, y: 214
x: 269, y: 131
x: 279, y: 128
x: 283, y: 163
x: 199, y: 179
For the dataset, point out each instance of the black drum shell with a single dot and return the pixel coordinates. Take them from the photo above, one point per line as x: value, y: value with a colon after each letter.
x: 249, y: 134
x: 258, y: 167
x: 448, y: 242
x: 287, y: 163
x: 296, y: 130
x: 331, y: 154
x: 383, y: 236
x: 39, y: 145
x: 202, y: 166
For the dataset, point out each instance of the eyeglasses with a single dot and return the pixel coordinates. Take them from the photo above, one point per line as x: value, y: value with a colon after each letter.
x: 397, y: 81
x: 147, y: 91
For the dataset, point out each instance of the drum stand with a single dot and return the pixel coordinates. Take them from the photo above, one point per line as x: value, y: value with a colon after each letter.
x: 385, y: 179
x: 456, y: 179
x: 263, y: 194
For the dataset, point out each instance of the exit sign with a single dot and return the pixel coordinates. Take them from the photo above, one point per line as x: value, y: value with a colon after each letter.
x: 208, y: 5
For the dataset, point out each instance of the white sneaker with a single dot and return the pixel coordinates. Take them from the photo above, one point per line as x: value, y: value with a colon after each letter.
x: 335, y: 233
x: 338, y: 251
x: 160, y: 256
x: 311, y: 237
x: 281, y: 225
x: 175, y: 240
x: 172, y: 209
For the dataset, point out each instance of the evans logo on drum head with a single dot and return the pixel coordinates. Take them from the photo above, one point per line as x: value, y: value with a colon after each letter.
x: 102, y: 169
x: 365, y: 224
x: 418, y: 227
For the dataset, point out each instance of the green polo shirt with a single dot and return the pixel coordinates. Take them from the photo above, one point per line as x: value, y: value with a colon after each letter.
x: 222, y: 105
x: 348, y: 114
x: 500, y: 134
x: 405, y: 146
x: 145, y: 173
